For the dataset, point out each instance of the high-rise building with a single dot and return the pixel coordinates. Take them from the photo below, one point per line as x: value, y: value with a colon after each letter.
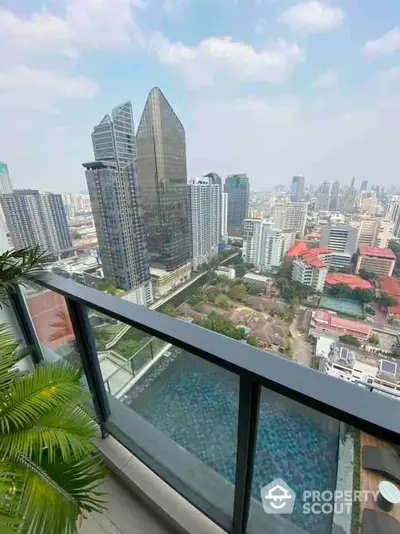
x: 290, y: 216
x: 369, y: 204
x: 217, y: 180
x: 5, y: 180
x: 393, y: 213
x: 113, y: 191
x: 224, y: 218
x: 348, y: 199
x: 342, y: 241
x: 334, y: 200
x: 323, y: 197
x: 311, y: 268
x: 263, y: 245
x: 297, y: 190
x: 36, y: 219
x: 353, y: 181
x: 205, y: 216
x: 364, y: 185
x: 374, y: 232
x: 237, y: 186
x: 161, y: 149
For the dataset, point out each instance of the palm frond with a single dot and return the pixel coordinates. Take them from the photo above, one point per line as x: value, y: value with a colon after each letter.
x: 66, y: 430
x: 7, y: 358
x: 16, y: 266
x: 30, y: 397
x: 54, y: 494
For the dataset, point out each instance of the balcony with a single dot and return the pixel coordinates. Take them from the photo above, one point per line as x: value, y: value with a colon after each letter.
x: 196, y: 424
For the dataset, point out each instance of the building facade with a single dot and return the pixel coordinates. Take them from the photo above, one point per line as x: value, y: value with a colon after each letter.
x: 297, y: 191
x: 161, y: 162
x: 36, y: 219
x: 380, y: 261
x: 5, y: 180
x: 290, y: 216
x: 113, y: 191
x: 237, y: 187
x: 263, y: 245
x: 334, y: 199
x: 342, y: 241
x: 374, y: 232
x: 205, y: 217
x: 393, y: 213
x: 348, y: 199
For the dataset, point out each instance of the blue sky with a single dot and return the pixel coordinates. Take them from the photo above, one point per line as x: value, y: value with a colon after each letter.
x: 273, y: 88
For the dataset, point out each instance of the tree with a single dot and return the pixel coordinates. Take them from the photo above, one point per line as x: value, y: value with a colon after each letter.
x: 367, y: 275
x: 395, y: 246
x: 363, y: 295
x: 108, y: 287
x: 168, y: 309
x: 50, y: 468
x: 252, y: 341
x: 385, y: 300
x: 396, y: 348
x: 75, y: 234
x: 374, y: 339
x: 240, y: 270
x: 350, y: 340
x: 253, y: 289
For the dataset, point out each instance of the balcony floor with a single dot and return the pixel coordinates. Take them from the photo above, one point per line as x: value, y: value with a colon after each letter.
x: 125, y: 514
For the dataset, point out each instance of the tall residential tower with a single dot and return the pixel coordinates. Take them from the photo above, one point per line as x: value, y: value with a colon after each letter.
x: 297, y: 190
x: 36, y: 219
x: 113, y: 190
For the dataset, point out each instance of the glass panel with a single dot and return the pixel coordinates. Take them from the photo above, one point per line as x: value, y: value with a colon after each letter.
x: 180, y: 414
x: 50, y: 317
x: 300, y: 446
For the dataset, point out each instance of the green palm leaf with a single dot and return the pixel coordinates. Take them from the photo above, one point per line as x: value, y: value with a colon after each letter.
x: 49, y: 467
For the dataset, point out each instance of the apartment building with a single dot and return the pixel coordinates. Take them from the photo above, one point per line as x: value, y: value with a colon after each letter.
x: 311, y: 268
x: 374, y: 232
x: 380, y: 261
x: 263, y: 245
x: 290, y: 216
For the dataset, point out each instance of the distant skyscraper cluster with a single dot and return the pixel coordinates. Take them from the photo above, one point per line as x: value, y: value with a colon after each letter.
x: 76, y: 204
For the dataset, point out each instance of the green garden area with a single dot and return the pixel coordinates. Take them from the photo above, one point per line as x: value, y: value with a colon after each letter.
x: 238, y: 310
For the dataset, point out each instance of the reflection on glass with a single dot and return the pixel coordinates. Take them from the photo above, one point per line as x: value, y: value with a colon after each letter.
x: 50, y: 317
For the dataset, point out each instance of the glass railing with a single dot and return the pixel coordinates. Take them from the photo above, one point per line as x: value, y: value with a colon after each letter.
x: 226, y: 425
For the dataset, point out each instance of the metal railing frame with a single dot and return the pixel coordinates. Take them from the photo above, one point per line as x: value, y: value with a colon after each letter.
x: 372, y: 413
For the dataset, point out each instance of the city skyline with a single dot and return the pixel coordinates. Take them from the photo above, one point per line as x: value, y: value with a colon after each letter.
x: 303, y: 81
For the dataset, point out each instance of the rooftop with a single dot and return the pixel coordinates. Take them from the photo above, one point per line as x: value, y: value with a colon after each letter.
x: 297, y: 249
x: 335, y: 321
x: 384, y: 253
x: 390, y: 285
x: 351, y: 280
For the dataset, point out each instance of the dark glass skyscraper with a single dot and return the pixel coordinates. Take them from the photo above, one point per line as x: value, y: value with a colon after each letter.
x: 161, y: 161
x: 237, y: 186
x: 297, y: 190
x: 334, y: 201
x: 113, y: 190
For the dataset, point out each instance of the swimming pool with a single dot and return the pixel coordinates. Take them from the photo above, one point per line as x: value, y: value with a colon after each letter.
x: 349, y: 307
x: 195, y: 403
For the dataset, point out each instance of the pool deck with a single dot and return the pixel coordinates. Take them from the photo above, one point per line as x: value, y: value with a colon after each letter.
x: 370, y: 480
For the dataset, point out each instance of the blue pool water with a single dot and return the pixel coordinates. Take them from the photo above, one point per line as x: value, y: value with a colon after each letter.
x: 195, y: 403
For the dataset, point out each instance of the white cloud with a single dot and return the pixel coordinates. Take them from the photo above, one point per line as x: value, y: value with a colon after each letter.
x: 172, y: 5
x: 203, y: 63
x: 30, y: 80
x: 261, y: 26
x: 90, y: 23
x: 327, y: 78
x: 312, y: 17
x: 386, y: 44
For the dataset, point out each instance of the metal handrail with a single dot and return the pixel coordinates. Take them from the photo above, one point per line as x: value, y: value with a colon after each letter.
x: 331, y: 396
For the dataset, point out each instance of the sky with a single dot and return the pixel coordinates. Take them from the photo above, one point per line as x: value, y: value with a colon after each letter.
x: 273, y: 88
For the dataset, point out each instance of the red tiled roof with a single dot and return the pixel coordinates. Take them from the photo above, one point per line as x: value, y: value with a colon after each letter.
x: 355, y: 326
x: 351, y: 280
x: 390, y: 285
x: 378, y: 252
x: 297, y: 249
x: 314, y: 262
x: 394, y: 310
x: 344, y: 324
